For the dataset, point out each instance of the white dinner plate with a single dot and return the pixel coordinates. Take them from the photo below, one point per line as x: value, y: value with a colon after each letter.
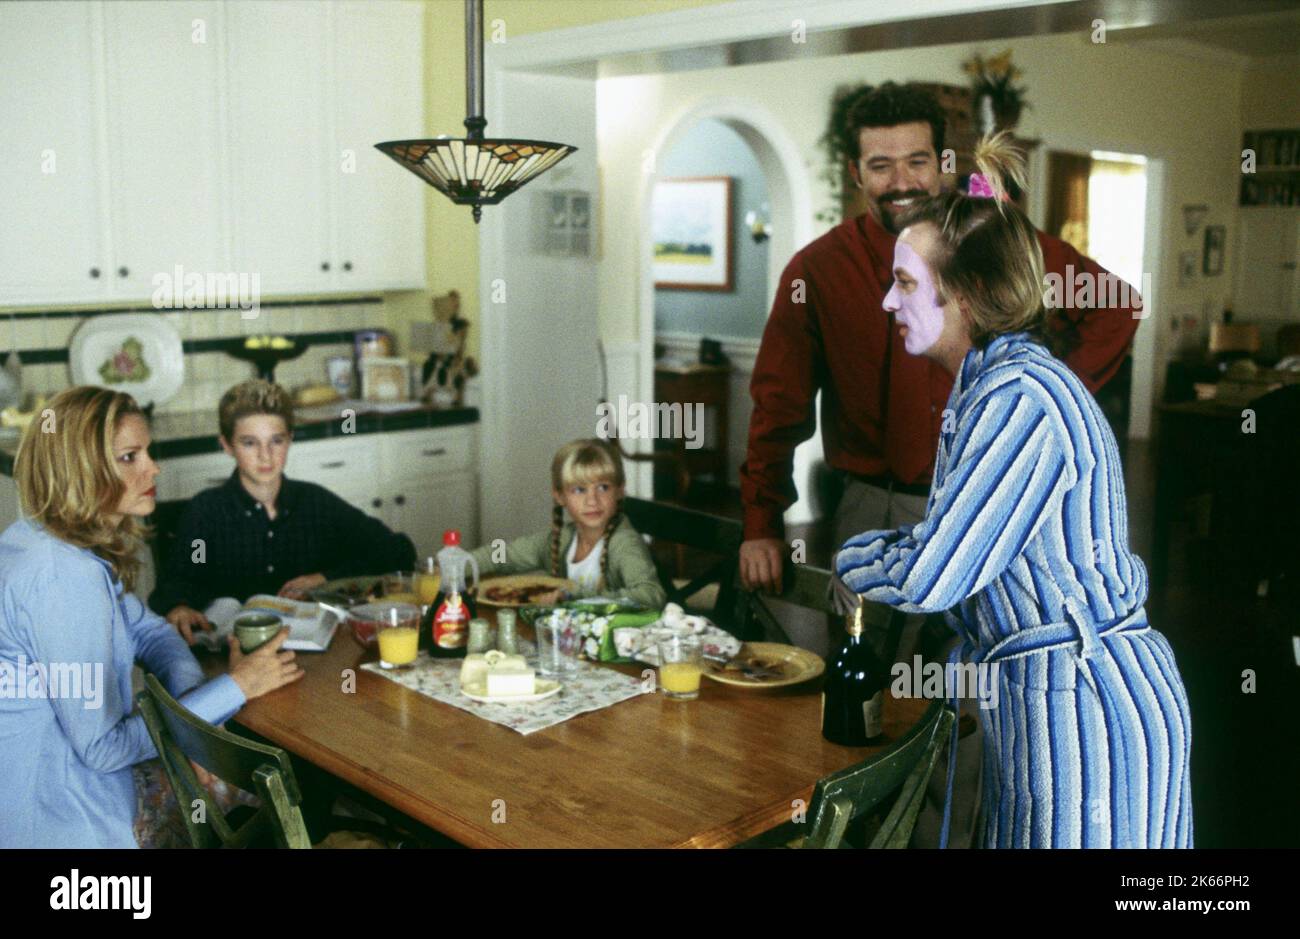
x: 478, y: 692
x: 104, y: 345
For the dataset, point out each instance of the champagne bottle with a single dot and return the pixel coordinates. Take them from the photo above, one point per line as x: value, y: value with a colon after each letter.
x: 854, y: 691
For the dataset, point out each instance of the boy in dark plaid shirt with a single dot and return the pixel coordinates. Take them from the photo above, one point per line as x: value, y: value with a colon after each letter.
x: 261, y: 533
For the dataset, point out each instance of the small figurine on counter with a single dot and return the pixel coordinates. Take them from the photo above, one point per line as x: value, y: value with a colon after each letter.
x: 447, y: 368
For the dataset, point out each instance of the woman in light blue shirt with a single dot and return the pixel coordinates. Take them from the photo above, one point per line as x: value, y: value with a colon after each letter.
x: 71, y: 631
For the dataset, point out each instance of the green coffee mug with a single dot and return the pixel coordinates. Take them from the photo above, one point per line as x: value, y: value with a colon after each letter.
x: 255, y: 629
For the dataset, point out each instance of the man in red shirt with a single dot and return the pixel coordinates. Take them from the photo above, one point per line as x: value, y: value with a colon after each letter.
x: 882, y: 409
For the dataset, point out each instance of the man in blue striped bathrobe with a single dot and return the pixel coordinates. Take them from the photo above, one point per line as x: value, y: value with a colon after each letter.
x: 1024, y: 547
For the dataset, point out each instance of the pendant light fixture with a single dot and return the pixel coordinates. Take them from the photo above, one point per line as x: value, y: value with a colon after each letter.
x: 475, y: 170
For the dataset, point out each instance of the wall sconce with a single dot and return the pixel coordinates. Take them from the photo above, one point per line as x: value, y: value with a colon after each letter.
x: 1193, y: 215
x: 759, y: 224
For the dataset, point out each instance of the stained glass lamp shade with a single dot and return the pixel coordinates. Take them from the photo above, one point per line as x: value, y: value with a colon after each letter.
x: 475, y: 170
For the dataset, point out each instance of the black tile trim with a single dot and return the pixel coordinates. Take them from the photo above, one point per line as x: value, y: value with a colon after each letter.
x: 214, y: 344
x: 317, y: 430
x: 269, y: 304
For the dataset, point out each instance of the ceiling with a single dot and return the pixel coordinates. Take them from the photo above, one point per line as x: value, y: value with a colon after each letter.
x: 1252, y: 36
x: 1200, y: 26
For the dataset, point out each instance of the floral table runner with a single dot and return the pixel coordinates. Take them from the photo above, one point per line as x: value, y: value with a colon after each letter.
x: 591, y: 688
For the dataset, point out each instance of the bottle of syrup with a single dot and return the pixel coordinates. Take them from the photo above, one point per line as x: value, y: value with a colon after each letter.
x: 449, y: 615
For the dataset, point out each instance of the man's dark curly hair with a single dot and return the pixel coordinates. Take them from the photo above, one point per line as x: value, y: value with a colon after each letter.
x: 891, y: 104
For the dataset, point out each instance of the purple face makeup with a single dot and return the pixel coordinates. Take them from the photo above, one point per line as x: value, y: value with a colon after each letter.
x: 918, y: 309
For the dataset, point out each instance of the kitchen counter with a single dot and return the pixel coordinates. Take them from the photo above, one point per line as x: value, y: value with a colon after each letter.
x: 191, y: 432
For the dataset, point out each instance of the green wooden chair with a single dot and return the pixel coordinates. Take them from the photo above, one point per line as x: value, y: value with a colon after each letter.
x: 851, y: 795
x: 718, y: 537
x: 807, y: 586
x: 180, y: 736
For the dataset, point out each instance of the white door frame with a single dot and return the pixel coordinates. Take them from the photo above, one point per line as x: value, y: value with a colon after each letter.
x: 789, y: 190
x: 1148, y: 340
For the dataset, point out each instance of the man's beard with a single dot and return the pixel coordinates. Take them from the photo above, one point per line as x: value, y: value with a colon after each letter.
x: 889, y: 215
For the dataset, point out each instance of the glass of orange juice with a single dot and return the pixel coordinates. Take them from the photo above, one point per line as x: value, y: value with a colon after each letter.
x: 399, y: 635
x: 679, y: 668
x: 428, y: 582
x: 400, y: 588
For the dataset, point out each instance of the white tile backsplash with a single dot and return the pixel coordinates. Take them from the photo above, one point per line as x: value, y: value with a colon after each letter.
x: 207, y: 374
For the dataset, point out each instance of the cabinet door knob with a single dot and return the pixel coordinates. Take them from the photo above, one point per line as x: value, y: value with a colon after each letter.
x: 377, y: 503
x: 94, y: 273
x: 122, y: 272
x: 347, y: 265
x: 438, y: 452
x: 333, y: 464
x: 324, y: 265
x: 400, y: 500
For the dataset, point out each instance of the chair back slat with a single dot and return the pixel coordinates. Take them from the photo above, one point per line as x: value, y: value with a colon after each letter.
x: 896, y: 830
x: 689, y: 527
x: 870, y: 782
x: 181, y: 736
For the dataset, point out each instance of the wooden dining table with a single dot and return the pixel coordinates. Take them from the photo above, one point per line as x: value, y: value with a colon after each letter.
x: 647, y: 772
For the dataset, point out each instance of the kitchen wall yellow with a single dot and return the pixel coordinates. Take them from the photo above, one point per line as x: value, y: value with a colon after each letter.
x: 452, y: 237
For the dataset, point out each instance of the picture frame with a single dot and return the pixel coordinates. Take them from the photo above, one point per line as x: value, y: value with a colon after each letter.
x: 1216, y: 237
x: 692, y: 225
x: 385, y: 378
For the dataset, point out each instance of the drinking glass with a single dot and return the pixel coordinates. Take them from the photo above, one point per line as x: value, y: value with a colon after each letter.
x: 399, y: 637
x: 399, y: 587
x: 558, y: 644
x: 679, y: 668
x: 428, y: 582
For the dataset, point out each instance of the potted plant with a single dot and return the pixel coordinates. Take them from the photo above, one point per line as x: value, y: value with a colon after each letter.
x: 998, y: 101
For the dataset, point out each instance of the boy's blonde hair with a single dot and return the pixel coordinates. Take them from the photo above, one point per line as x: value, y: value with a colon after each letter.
x: 67, y: 477
x: 581, y: 463
x: 251, y: 398
x: 987, y: 250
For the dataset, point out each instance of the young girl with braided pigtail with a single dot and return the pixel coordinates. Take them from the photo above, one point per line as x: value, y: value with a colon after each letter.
x: 596, y: 547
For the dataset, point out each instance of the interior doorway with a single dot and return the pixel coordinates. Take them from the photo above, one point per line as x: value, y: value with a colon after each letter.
x: 786, y: 208
x: 1096, y: 202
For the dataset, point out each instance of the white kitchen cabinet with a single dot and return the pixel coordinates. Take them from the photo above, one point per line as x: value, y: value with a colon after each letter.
x: 317, y: 207
x: 278, y: 153
x: 53, y: 241
x: 377, y: 95
x: 423, y: 507
x: 182, y: 478
x: 225, y: 137
x: 165, y: 141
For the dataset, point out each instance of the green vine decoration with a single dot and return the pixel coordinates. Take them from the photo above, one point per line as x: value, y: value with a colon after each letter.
x: 835, y: 143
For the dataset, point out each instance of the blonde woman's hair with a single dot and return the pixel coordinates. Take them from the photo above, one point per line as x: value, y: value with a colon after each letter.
x: 67, y: 476
x: 580, y: 463
x: 988, y: 251
x: 250, y: 398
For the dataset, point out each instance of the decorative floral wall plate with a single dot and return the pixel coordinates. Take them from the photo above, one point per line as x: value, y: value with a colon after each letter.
x: 138, y: 353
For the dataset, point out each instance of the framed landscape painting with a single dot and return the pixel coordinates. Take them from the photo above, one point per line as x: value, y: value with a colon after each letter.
x: 691, y: 224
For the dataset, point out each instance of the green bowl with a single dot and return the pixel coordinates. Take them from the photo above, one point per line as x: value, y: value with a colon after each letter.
x: 256, y: 629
